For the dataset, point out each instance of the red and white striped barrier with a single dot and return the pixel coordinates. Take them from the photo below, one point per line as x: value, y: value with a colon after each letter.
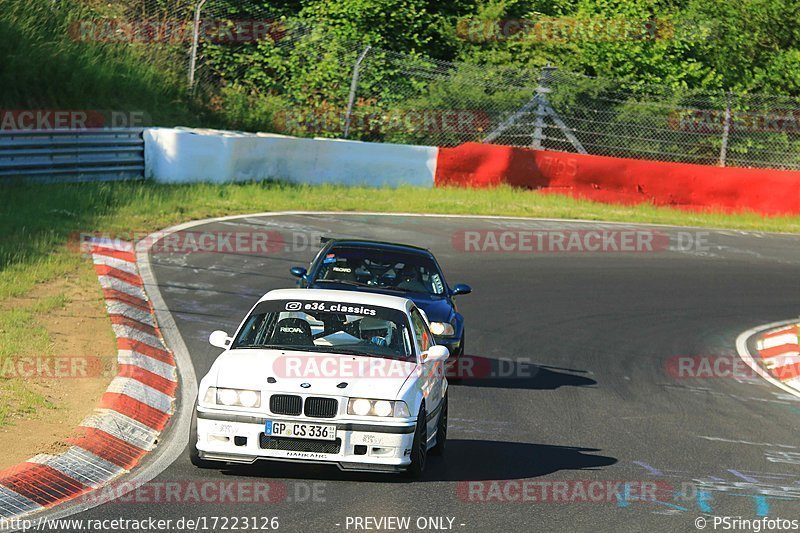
x: 127, y: 422
x: 780, y: 354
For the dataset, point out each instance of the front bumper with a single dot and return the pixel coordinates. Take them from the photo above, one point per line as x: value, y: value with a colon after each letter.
x: 359, y: 445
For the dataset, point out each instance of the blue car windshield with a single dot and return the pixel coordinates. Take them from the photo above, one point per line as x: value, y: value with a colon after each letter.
x: 381, y: 269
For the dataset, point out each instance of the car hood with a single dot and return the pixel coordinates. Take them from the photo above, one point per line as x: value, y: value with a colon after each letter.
x: 371, y: 377
x: 437, y: 308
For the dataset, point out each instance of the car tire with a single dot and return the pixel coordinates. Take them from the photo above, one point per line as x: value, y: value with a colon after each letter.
x: 194, y: 455
x: 441, y: 430
x: 419, y: 449
x: 456, y: 365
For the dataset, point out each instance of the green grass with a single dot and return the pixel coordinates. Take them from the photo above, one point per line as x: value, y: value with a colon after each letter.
x: 42, y: 66
x: 22, y: 336
x: 36, y: 221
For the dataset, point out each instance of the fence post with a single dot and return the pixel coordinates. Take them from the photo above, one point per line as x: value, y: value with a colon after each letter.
x: 726, y: 129
x: 541, y: 109
x: 195, y: 38
x: 353, y: 87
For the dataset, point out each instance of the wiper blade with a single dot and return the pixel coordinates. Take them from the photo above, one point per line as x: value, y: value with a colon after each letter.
x: 343, y: 282
x: 278, y: 347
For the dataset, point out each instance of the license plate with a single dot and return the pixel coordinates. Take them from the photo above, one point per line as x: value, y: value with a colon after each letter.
x: 300, y: 430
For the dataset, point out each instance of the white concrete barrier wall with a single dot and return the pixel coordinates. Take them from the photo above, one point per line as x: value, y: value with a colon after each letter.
x: 181, y: 155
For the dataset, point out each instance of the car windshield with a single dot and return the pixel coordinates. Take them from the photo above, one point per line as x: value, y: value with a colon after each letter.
x: 379, y: 268
x: 331, y: 327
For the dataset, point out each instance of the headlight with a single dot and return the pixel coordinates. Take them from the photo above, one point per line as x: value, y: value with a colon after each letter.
x: 384, y: 408
x: 443, y: 329
x: 360, y: 407
x: 232, y: 397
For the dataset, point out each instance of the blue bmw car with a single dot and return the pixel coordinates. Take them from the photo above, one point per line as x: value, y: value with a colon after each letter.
x: 396, y: 269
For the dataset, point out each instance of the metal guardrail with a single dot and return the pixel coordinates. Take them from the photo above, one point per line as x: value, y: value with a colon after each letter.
x: 71, y: 155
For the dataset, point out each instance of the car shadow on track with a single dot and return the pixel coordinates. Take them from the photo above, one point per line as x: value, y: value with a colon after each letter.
x: 476, y: 371
x: 465, y: 460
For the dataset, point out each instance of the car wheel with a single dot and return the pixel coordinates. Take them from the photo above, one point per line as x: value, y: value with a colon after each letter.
x: 419, y: 449
x: 194, y: 455
x: 441, y: 430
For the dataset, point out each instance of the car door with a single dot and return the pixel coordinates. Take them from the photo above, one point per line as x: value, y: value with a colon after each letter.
x: 431, y: 380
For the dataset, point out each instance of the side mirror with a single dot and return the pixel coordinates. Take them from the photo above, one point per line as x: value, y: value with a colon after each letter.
x: 461, y: 288
x: 436, y: 353
x: 298, y: 272
x: 220, y: 339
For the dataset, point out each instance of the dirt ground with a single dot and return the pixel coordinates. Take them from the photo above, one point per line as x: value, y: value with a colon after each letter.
x: 82, y: 330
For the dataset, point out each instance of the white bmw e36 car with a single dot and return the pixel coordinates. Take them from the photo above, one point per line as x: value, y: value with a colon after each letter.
x: 322, y: 376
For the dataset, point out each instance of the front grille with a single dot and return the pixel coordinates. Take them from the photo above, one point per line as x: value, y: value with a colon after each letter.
x: 299, y: 445
x: 286, y: 404
x: 321, y: 407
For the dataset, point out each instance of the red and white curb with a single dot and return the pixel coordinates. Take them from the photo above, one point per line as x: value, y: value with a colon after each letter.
x: 775, y: 354
x: 779, y: 350
x: 132, y: 412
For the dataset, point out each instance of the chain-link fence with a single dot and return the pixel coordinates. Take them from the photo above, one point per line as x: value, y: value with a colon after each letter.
x: 265, y: 71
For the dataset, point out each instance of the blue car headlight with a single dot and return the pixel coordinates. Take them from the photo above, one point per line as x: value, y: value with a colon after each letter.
x: 443, y: 329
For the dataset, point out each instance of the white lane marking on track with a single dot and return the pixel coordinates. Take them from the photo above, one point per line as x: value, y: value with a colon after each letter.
x: 735, y: 441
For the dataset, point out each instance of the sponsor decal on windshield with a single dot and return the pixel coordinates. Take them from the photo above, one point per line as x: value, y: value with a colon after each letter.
x: 335, y: 307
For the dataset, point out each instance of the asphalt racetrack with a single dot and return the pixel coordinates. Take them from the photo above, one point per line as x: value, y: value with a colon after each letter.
x: 580, y: 381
